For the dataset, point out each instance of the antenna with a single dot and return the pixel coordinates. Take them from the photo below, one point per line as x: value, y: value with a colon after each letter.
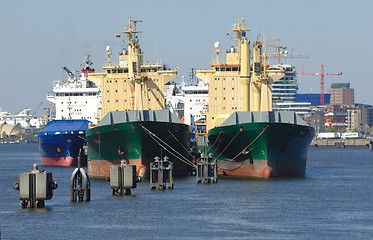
x: 240, y: 30
x: 108, y: 54
x: 217, y: 51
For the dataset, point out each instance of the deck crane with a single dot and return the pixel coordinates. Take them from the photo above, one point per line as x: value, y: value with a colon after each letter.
x: 68, y: 71
x: 72, y: 76
x: 322, y: 75
x: 49, y: 111
x: 280, y: 51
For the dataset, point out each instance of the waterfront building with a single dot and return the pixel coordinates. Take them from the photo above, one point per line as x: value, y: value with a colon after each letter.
x: 352, y: 119
x: 366, y: 114
x: 24, y: 118
x: 360, y: 118
x: 10, y: 129
x: 313, y: 98
x: 336, y: 116
x: 315, y: 118
x: 341, y: 94
x: 300, y: 108
x: 286, y: 88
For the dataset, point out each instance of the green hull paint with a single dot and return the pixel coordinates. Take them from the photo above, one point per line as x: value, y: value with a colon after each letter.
x: 129, y: 141
x: 282, y: 147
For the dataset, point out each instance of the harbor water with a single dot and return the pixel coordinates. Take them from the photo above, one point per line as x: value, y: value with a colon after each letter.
x: 333, y: 201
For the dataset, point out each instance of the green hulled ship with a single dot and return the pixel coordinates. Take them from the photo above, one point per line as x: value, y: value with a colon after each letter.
x: 136, y: 128
x: 137, y: 137
x: 261, y: 144
x: 246, y: 137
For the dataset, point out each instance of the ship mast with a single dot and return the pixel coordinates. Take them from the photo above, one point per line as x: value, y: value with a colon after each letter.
x: 240, y: 30
x: 261, y: 82
x: 134, y: 51
x: 244, y: 59
x: 135, y: 61
x: 131, y: 85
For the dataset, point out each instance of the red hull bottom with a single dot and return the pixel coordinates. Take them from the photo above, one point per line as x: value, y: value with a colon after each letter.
x: 258, y: 168
x: 61, y: 161
x: 101, y: 168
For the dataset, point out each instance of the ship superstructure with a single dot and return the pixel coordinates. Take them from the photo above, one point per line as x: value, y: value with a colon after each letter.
x: 132, y: 84
x: 236, y: 84
x: 135, y: 125
x: 76, y: 98
x: 245, y: 136
x: 189, y: 101
x: 195, y: 102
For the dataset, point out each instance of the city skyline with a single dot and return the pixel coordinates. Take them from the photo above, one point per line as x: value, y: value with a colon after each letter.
x: 38, y: 38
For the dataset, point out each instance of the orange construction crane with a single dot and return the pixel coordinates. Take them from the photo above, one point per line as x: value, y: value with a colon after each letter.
x: 322, y: 75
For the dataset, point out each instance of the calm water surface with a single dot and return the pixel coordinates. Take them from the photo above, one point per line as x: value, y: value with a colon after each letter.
x: 333, y: 201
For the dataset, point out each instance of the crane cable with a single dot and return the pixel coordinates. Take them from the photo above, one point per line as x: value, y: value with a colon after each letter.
x: 245, y: 149
x: 155, y: 137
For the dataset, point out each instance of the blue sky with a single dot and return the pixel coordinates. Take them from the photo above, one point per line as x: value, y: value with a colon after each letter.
x: 39, y: 37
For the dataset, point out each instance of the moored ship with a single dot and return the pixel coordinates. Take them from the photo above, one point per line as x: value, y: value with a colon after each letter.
x: 246, y: 137
x: 135, y: 126
x: 75, y: 102
x: 61, y: 141
x: 262, y: 144
x: 137, y: 137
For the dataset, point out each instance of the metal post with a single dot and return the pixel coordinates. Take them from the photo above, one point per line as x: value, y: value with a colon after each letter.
x: 123, y: 178
x: 206, y: 169
x: 80, y: 187
x: 34, y: 187
x: 161, y: 173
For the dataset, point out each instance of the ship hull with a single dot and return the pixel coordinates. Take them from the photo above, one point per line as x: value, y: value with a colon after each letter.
x: 61, y: 161
x: 61, y: 150
x: 108, y: 145
x: 261, y: 149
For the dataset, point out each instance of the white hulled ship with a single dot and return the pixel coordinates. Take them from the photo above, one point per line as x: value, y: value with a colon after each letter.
x: 76, y: 98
